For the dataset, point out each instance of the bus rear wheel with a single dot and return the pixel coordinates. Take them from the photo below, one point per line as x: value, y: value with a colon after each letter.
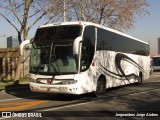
x: 140, y: 79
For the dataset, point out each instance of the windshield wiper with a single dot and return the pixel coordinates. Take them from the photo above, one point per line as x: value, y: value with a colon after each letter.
x: 57, y: 66
x: 54, y: 68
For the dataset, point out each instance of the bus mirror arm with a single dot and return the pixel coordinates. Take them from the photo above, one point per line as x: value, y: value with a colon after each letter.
x: 24, y: 43
x: 76, y: 45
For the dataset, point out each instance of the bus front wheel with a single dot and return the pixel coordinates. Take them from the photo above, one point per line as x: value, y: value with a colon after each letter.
x: 101, y: 87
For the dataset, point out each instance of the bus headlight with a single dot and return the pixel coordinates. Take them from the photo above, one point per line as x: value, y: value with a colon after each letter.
x: 69, y: 82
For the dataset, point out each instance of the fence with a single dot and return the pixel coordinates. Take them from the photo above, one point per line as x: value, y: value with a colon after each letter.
x: 8, y: 63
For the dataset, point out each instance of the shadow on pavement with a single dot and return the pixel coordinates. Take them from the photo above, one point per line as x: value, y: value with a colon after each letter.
x: 13, y: 87
x: 23, y: 91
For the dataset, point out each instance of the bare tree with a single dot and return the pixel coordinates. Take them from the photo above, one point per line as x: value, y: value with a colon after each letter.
x: 117, y: 14
x: 22, y: 15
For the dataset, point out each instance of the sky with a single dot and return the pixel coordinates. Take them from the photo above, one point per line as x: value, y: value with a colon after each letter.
x: 146, y: 28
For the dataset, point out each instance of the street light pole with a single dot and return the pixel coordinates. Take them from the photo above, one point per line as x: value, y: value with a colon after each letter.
x: 64, y: 13
x: 82, y: 10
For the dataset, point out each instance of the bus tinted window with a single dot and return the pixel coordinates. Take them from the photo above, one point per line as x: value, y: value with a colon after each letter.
x: 89, y: 35
x: 88, y: 47
x: 107, y: 40
x: 156, y: 61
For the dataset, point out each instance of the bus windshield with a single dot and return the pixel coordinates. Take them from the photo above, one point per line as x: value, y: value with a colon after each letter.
x: 52, y: 54
x: 48, y: 35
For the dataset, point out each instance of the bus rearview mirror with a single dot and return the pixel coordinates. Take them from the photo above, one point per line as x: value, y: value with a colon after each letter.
x: 76, y: 45
x: 22, y: 45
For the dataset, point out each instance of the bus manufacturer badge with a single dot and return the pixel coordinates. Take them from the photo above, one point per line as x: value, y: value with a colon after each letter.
x: 48, y: 90
x: 49, y: 81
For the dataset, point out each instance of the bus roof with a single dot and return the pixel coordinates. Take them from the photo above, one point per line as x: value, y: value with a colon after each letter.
x: 94, y: 24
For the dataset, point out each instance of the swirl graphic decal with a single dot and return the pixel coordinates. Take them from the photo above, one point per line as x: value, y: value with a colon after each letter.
x: 118, y: 58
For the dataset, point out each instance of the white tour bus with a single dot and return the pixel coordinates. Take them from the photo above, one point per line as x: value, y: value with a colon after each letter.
x: 83, y: 57
x: 155, y: 63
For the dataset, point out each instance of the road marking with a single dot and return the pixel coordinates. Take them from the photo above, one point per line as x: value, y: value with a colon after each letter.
x: 148, y: 100
x: 144, y: 91
x: 22, y: 98
x: 135, y: 93
x: 68, y: 106
x: 20, y: 105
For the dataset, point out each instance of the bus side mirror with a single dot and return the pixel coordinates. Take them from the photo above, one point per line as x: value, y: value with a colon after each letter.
x: 22, y: 45
x: 76, y: 45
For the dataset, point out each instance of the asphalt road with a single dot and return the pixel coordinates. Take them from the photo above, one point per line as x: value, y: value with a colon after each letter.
x: 119, y: 103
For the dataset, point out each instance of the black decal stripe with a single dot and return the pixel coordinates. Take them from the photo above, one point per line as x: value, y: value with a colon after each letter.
x: 128, y: 76
x: 111, y: 71
x: 112, y: 75
x: 118, y: 58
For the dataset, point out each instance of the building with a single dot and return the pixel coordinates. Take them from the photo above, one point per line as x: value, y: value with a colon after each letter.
x: 158, y: 46
x: 12, y: 42
x: 3, y: 41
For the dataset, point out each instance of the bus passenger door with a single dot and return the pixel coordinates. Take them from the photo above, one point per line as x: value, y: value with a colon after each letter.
x: 85, y: 62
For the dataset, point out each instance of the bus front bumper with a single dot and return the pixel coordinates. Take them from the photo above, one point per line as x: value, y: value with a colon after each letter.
x: 62, y: 89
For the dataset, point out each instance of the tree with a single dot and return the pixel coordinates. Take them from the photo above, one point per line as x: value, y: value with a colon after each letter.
x: 117, y: 14
x: 22, y: 15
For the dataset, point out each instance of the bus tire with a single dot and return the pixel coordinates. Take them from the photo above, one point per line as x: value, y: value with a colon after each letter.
x: 101, y: 87
x: 140, y: 79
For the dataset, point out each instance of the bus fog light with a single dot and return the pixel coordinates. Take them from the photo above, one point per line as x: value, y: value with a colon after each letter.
x: 63, y: 88
x: 69, y: 82
x: 73, y: 89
